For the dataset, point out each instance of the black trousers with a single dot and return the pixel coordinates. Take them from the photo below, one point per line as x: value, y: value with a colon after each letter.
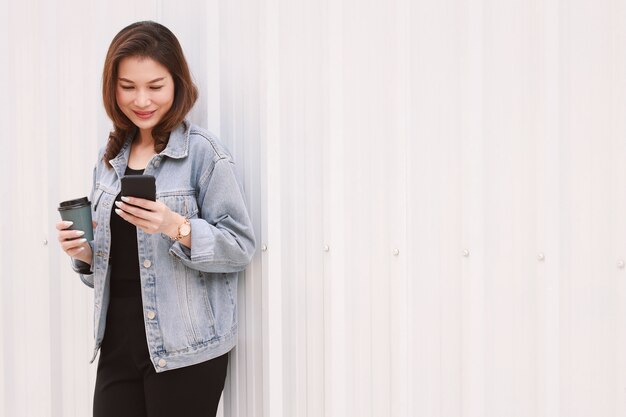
x: 127, y: 384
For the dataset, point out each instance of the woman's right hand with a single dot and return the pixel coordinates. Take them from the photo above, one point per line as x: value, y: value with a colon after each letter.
x: 76, y: 248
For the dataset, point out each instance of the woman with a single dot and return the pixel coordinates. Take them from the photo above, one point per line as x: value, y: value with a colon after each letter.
x: 164, y: 272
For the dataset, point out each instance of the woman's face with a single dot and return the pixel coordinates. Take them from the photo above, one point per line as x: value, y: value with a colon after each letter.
x: 144, y: 92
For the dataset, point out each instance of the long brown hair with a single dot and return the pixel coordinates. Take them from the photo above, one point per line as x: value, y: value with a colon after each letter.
x: 146, y: 39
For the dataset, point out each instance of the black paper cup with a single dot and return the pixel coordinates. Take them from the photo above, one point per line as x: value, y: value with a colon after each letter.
x: 78, y: 211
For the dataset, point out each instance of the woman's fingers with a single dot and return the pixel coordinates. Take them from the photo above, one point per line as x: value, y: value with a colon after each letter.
x: 140, y: 202
x: 75, y: 251
x: 70, y: 234
x: 137, y: 212
x: 72, y: 244
x: 62, y: 225
x: 94, y: 224
x: 71, y: 241
x: 143, y: 224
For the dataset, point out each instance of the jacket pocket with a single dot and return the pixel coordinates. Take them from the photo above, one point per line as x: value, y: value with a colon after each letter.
x: 202, y: 314
x: 185, y: 304
x: 195, y: 307
x: 183, y: 203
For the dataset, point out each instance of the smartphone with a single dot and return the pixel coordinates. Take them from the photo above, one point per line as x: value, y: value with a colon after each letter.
x: 140, y: 186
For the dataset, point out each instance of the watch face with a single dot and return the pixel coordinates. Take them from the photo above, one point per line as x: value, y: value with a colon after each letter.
x: 185, y: 229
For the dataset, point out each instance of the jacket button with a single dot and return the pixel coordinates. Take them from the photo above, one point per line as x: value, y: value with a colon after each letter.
x: 151, y: 315
x: 162, y: 363
x: 147, y: 263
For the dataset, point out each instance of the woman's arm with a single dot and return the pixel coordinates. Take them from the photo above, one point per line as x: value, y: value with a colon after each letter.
x: 79, y: 250
x: 223, y: 239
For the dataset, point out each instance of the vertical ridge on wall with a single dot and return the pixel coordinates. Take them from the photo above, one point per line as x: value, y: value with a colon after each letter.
x: 293, y: 255
x: 334, y: 184
x: 473, y: 400
x: 9, y: 331
x: 618, y: 199
x: 396, y: 167
x: 358, y: 209
x: 313, y: 130
x: 225, y: 62
x: 213, y: 30
x: 254, y: 277
x: 378, y: 196
x: 50, y: 27
x: 5, y: 164
x: 548, y: 225
x: 269, y: 83
x: 228, y: 67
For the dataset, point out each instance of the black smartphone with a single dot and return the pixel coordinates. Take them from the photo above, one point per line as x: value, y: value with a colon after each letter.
x: 140, y: 186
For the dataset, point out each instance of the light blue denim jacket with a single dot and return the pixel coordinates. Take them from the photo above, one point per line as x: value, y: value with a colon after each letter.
x: 189, y: 295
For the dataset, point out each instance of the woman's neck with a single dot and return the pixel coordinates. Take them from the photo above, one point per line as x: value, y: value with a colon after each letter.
x: 141, y: 150
x: 144, y: 138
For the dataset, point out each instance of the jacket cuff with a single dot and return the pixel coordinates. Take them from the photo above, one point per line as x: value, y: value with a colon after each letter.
x: 81, y: 267
x: 181, y: 251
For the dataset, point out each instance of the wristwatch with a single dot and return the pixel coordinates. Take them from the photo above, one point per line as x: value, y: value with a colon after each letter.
x: 183, y: 230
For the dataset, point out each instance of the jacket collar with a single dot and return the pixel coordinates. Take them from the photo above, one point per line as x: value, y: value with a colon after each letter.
x: 177, y: 147
x: 178, y: 143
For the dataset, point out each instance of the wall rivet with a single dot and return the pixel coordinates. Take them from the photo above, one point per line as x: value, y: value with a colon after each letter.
x: 264, y: 248
x: 620, y: 264
x: 541, y: 256
x: 326, y: 248
x: 466, y: 253
x: 396, y: 251
x: 45, y: 241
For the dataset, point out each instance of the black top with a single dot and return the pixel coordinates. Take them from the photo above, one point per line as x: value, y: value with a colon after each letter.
x: 124, y: 255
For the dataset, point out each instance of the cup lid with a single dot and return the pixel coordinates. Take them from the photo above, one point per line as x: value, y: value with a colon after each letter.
x: 79, y: 202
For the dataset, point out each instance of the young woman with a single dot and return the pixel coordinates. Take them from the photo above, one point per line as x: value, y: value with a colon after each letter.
x: 164, y: 272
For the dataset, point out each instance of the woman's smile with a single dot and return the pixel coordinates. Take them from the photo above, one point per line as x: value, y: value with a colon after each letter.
x: 144, y: 115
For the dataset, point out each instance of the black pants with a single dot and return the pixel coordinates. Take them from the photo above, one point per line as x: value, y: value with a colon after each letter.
x: 127, y: 384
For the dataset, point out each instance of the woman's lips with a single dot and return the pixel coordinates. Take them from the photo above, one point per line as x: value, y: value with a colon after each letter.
x: 144, y: 115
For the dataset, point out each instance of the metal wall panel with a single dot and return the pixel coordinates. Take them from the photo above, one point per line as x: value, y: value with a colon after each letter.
x: 436, y: 187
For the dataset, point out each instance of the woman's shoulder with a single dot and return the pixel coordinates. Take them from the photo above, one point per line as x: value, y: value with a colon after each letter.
x: 202, y: 141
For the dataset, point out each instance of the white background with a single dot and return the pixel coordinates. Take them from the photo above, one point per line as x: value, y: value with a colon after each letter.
x: 440, y: 186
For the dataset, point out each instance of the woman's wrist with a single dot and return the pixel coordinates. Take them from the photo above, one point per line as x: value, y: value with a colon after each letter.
x: 172, y: 230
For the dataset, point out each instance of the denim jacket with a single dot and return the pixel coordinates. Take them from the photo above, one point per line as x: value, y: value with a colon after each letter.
x: 189, y: 295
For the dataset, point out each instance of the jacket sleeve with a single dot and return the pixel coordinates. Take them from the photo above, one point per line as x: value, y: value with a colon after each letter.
x: 84, y: 270
x: 222, y: 240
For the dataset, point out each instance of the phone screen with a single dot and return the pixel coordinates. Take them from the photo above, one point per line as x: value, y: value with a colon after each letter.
x: 140, y: 186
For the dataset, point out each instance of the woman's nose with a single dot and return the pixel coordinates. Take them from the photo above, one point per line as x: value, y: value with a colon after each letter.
x: 142, y: 99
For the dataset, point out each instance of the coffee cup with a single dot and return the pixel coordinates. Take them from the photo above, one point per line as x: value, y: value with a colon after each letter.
x: 78, y: 211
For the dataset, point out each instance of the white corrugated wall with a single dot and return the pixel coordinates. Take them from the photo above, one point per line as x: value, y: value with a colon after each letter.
x: 438, y: 190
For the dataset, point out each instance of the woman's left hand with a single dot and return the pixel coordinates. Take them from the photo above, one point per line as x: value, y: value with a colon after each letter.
x: 151, y: 216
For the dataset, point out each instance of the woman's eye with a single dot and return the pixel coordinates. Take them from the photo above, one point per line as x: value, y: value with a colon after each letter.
x: 130, y: 87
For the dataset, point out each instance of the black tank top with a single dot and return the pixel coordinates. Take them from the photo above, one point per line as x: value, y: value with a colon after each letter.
x: 124, y: 255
